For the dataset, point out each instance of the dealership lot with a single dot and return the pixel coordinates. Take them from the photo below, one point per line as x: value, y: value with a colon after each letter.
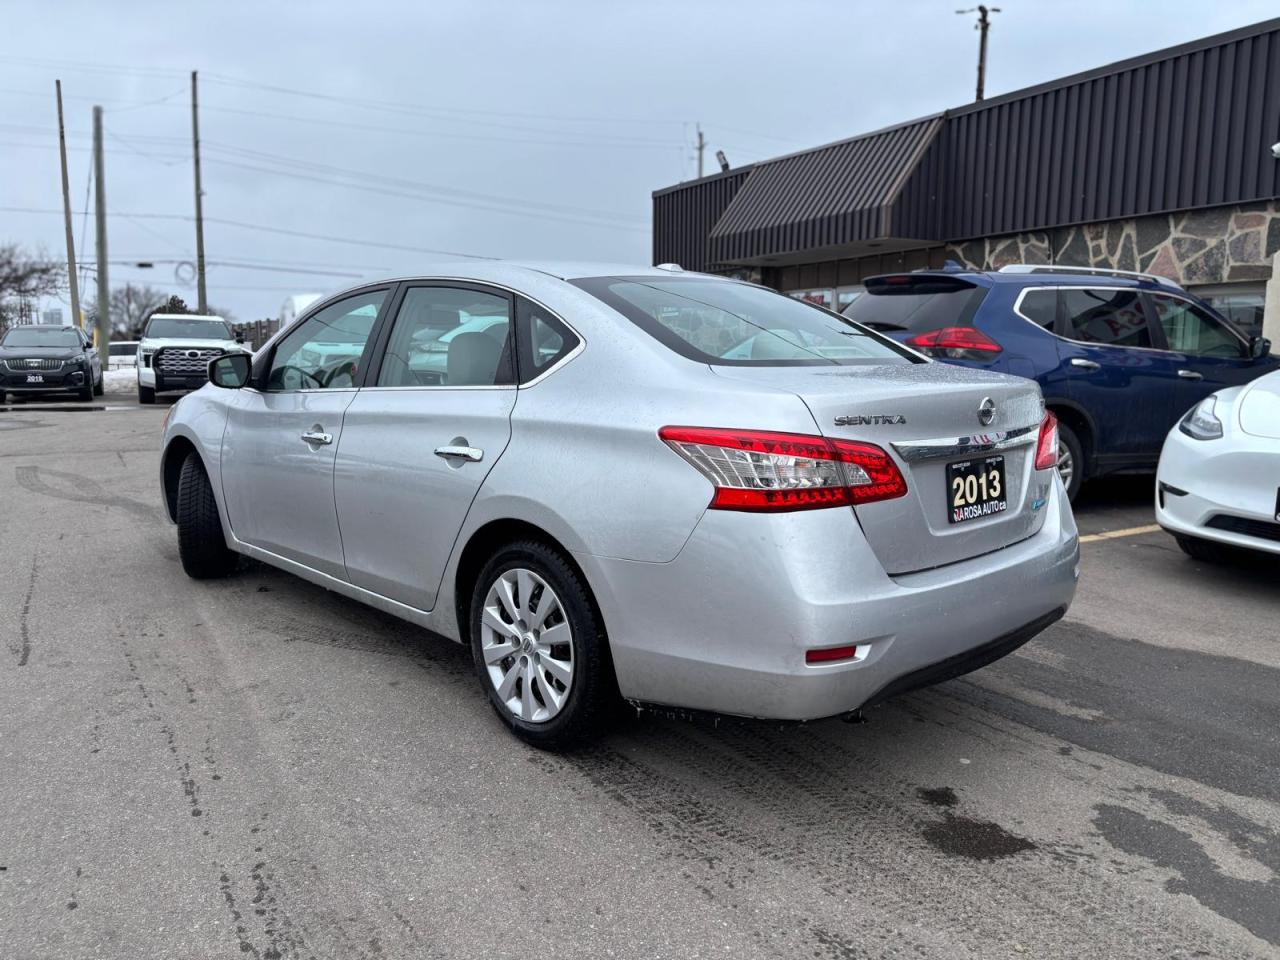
x: 257, y: 766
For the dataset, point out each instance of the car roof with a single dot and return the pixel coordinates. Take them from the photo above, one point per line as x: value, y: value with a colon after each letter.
x: 1056, y: 278
x: 42, y: 326
x: 513, y: 271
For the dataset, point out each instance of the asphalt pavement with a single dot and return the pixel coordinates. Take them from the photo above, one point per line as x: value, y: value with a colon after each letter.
x: 256, y: 767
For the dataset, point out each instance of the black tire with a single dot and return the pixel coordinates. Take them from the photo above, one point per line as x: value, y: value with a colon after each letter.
x: 146, y: 394
x: 86, y: 392
x: 1206, y: 551
x: 101, y: 386
x: 202, y: 546
x: 593, y: 694
x: 1, y: 396
x: 1067, y: 438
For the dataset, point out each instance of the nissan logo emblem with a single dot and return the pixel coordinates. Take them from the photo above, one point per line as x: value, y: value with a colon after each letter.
x: 986, y: 411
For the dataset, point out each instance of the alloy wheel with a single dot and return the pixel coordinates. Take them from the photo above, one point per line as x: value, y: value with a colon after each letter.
x: 1066, y: 465
x: 527, y: 645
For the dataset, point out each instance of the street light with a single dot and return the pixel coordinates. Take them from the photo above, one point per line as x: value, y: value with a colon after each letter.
x: 983, y: 25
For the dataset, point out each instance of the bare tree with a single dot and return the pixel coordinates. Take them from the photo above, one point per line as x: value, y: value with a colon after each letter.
x: 25, y: 277
x: 130, y: 307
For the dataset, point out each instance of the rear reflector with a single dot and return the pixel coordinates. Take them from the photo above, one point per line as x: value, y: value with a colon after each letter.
x: 759, y: 470
x: 1047, y: 444
x: 956, y: 343
x: 830, y: 654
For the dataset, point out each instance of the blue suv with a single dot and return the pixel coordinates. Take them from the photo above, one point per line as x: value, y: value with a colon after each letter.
x: 1120, y: 357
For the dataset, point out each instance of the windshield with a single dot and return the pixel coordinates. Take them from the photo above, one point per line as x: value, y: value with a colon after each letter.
x: 188, y: 328
x: 731, y: 323
x: 37, y: 337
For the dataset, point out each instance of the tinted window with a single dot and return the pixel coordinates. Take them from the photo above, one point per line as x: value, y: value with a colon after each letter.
x: 1242, y: 309
x: 916, y: 304
x: 1189, y: 329
x: 187, y: 328
x: 41, y: 337
x: 449, y: 337
x: 1040, y: 307
x: 544, y: 340
x: 724, y: 322
x: 323, y: 352
x: 1111, y: 317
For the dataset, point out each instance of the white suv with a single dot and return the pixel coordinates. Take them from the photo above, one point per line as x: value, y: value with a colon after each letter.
x: 175, y: 351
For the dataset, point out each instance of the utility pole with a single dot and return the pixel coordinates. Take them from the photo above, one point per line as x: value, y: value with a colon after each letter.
x: 983, y: 25
x: 702, y: 145
x: 66, y: 214
x: 103, y: 333
x: 195, y: 151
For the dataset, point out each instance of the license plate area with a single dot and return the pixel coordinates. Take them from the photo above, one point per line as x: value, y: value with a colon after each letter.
x: 976, y: 489
x: 35, y: 378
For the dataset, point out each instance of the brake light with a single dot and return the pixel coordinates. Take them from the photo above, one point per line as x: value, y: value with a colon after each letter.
x: 759, y: 470
x: 1047, y: 445
x: 956, y: 343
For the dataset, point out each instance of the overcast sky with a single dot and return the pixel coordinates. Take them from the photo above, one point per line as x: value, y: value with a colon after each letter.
x: 532, y: 129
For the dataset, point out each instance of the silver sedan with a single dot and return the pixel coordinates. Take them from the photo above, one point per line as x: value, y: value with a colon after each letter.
x: 677, y: 489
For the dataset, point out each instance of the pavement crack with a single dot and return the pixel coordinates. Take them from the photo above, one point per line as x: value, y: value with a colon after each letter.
x: 23, y: 650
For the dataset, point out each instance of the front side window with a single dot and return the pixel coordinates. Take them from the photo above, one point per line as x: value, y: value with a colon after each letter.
x: 1189, y: 329
x: 40, y: 337
x: 187, y: 328
x: 449, y: 337
x: 1113, y: 318
x: 323, y: 352
x: 730, y: 323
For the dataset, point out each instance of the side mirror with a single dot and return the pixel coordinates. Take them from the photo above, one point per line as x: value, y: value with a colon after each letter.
x: 231, y: 370
x: 1259, y: 347
x: 239, y: 338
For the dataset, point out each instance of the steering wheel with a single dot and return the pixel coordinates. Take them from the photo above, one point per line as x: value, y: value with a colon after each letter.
x: 343, y: 375
x: 280, y: 377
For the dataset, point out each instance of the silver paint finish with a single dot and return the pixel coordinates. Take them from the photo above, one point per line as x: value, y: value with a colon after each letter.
x: 709, y: 609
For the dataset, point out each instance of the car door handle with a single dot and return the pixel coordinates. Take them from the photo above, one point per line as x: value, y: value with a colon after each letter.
x: 474, y: 454
x: 317, y: 436
x: 1085, y: 364
x: 1190, y: 375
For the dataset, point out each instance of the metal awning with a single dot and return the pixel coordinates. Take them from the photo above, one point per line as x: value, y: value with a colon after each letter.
x: 837, y: 196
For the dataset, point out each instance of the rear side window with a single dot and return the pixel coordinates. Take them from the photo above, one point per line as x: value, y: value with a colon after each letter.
x: 544, y: 340
x: 1040, y: 307
x: 1110, y: 317
x: 916, y: 305
x: 730, y: 323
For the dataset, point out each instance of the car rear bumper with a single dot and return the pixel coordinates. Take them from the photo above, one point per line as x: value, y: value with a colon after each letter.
x: 1222, y: 490
x: 724, y: 627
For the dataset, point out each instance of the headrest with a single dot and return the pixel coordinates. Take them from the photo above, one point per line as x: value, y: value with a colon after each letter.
x: 473, y: 360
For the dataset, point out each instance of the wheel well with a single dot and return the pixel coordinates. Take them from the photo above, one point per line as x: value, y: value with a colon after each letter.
x: 175, y: 455
x: 483, y: 544
x: 1080, y: 426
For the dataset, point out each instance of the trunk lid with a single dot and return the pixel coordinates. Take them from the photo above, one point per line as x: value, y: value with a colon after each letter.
x: 926, y: 416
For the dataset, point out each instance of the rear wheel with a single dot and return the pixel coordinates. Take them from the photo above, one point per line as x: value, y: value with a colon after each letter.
x: 202, y: 546
x: 146, y: 394
x: 539, y: 647
x: 1071, y: 466
x: 1207, y: 551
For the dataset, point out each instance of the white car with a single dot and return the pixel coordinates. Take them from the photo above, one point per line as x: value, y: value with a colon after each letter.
x: 175, y: 351
x: 1218, y: 483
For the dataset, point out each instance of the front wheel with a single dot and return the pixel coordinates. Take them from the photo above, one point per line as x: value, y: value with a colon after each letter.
x: 1071, y: 465
x: 1207, y: 551
x: 540, y: 649
x: 146, y: 394
x: 101, y: 387
x: 86, y: 392
x: 202, y: 546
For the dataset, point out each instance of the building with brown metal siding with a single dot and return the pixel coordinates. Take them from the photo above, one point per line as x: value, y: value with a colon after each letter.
x: 1161, y: 163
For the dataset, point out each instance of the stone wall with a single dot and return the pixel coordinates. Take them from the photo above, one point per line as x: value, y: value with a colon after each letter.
x: 1217, y: 245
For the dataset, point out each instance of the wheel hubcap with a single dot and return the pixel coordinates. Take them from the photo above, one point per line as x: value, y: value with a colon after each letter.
x: 527, y: 645
x: 1066, y: 464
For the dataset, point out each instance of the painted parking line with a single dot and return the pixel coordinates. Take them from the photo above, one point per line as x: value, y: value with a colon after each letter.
x: 1116, y: 534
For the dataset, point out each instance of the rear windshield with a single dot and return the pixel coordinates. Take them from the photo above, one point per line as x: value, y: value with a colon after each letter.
x: 37, y: 337
x: 187, y: 328
x: 916, y: 304
x: 726, y: 322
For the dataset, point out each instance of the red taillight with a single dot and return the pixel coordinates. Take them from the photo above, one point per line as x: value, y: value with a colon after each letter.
x: 1047, y: 445
x: 829, y: 654
x: 956, y: 343
x: 765, y: 471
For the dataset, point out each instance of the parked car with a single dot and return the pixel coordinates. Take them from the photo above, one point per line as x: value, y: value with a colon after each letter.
x: 1218, y: 484
x: 48, y: 359
x: 609, y: 499
x: 175, y: 351
x: 122, y: 353
x: 1119, y: 357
